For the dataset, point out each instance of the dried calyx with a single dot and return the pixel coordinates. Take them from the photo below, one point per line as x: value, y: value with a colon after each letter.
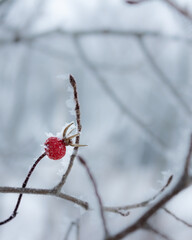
x: 55, y: 148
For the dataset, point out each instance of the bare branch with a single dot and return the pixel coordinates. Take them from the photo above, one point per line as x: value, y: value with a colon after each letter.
x: 13, y: 215
x: 50, y: 192
x: 141, y: 204
x: 20, y: 37
x: 69, y: 230
x: 171, y: 3
x: 122, y: 212
x: 82, y: 161
x: 179, y: 9
x: 78, y: 229
x: 188, y: 158
x: 75, y: 224
x: 111, y: 93
x: 59, y: 186
x: 164, y: 79
x: 181, y: 184
x: 135, y: 1
x: 177, y: 218
x: 148, y: 227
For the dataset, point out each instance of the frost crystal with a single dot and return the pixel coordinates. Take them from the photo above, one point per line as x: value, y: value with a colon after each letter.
x: 63, y: 77
x: 60, y: 134
x: 70, y: 101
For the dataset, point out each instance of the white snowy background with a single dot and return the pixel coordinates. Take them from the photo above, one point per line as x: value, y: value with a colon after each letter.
x: 137, y: 129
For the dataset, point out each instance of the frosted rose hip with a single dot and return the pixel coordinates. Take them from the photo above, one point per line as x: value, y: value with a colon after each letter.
x: 55, y: 148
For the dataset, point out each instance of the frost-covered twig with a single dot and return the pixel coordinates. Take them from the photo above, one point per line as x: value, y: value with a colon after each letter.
x: 59, y: 186
x: 163, y: 77
x: 82, y: 161
x: 181, y: 184
x: 141, y: 204
x: 84, y: 204
x: 50, y: 192
x: 13, y: 215
x: 177, y: 218
x: 148, y: 227
x: 112, y: 94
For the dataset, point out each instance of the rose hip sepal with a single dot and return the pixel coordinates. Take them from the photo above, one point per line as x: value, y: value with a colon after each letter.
x: 55, y: 148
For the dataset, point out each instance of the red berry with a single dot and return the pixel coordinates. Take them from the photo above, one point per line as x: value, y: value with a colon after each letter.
x: 55, y: 148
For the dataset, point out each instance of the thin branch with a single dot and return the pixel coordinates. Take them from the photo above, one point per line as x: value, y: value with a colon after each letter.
x: 13, y: 215
x: 123, y: 213
x: 181, y: 184
x: 73, y: 224
x: 69, y: 230
x: 136, y: 1
x: 17, y: 38
x: 164, y: 79
x: 179, y: 9
x: 188, y: 158
x: 141, y: 204
x: 59, y: 186
x: 114, y: 97
x: 171, y: 3
x: 50, y: 192
x: 177, y: 218
x: 78, y: 229
x: 82, y: 161
x: 148, y: 227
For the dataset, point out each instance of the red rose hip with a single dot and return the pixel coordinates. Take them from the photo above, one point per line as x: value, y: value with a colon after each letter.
x: 55, y: 148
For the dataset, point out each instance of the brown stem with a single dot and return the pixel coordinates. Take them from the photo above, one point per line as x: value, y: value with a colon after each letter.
x: 13, y: 215
x: 138, y: 205
x: 177, y: 218
x: 82, y: 161
x: 181, y: 184
x: 75, y: 150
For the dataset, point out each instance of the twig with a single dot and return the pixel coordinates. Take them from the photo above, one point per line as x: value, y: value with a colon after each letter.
x: 69, y: 230
x: 50, y: 192
x: 82, y: 161
x: 93, y: 32
x: 85, y: 205
x: 13, y: 215
x: 179, y: 9
x: 75, y: 224
x: 78, y: 229
x: 186, y: 167
x: 141, y: 204
x: 171, y: 3
x: 181, y: 184
x: 148, y: 227
x: 164, y: 79
x: 176, y: 217
x: 114, y: 97
x: 123, y: 213
x: 135, y: 1
x: 59, y: 186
